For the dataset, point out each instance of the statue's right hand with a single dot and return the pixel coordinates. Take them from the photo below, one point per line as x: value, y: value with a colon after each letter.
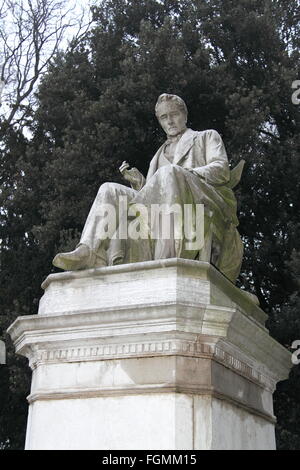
x: 133, y: 175
x: 123, y: 168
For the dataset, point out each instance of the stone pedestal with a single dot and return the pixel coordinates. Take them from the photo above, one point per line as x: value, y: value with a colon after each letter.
x: 159, y: 355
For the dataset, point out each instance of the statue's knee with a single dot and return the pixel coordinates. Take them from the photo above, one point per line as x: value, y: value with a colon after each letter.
x: 106, y: 188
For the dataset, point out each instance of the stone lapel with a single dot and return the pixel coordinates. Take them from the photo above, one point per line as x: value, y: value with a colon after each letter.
x: 183, y: 147
x: 154, y: 163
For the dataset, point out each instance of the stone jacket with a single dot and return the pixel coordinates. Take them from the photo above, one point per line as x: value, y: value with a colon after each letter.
x: 203, y: 153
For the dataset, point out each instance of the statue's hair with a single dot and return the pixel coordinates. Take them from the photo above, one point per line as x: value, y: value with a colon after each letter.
x: 165, y: 97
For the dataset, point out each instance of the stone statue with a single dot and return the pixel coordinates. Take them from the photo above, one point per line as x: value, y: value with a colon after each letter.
x: 190, y: 168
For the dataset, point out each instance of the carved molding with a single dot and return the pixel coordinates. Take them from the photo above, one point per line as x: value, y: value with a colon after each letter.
x: 142, y: 349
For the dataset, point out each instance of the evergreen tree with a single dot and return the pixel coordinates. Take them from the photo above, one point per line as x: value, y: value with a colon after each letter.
x: 234, y: 64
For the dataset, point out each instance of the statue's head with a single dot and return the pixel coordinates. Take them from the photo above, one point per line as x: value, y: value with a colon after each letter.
x: 171, y: 112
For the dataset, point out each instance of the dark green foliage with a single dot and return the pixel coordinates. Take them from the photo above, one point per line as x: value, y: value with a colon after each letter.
x: 234, y: 64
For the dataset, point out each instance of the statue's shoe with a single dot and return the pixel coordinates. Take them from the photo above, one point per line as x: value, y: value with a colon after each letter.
x: 73, y: 260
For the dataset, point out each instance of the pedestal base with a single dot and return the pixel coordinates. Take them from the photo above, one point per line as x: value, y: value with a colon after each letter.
x: 159, y: 355
x: 146, y: 421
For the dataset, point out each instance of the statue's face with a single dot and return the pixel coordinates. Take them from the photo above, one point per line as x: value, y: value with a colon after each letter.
x: 171, y: 118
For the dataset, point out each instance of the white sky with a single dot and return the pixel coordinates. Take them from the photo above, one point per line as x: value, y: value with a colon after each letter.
x: 78, y: 12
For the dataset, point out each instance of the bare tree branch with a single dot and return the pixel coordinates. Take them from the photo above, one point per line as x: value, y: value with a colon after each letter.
x: 31, y: 34
x: 269, y: 134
